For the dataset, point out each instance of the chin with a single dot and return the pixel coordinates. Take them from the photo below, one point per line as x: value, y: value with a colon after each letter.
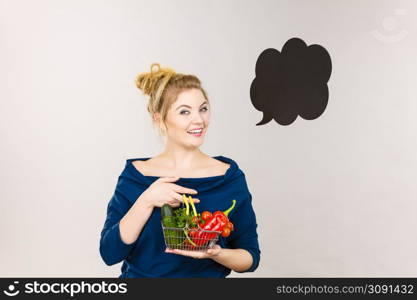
x: 196, y: 144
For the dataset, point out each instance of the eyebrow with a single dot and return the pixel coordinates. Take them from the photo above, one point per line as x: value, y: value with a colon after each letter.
x: 190, y: 106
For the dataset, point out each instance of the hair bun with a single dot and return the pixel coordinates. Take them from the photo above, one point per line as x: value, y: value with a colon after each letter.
x: 148, y: 82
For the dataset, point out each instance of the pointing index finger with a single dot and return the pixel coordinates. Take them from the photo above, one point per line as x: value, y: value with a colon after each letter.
x: 183, y: 190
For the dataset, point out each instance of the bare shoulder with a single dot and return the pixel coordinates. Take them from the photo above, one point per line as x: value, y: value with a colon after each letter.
x: 218, y: 167
x: 138, y: 165
x: 146, y: 167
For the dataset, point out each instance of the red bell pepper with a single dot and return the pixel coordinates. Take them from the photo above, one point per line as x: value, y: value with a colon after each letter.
x: 217, y: 222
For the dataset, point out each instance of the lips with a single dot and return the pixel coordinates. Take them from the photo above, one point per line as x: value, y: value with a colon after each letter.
x: 196, y: 131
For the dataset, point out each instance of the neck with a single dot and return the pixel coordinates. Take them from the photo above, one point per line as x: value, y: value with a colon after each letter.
x: 181, y: 158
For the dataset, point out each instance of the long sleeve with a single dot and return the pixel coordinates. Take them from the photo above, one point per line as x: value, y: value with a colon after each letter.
x: 112, y: 249
x: 245, y: 235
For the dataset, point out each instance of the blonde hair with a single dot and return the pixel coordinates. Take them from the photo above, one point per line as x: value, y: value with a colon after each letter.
x: 163, y: 85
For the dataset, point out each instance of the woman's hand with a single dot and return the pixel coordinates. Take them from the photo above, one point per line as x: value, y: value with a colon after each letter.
x: 210, y: 253
x: 163, y: 191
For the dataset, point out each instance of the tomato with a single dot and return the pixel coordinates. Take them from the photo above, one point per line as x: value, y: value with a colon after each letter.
x: 205, y: 215
x: 226, y: 232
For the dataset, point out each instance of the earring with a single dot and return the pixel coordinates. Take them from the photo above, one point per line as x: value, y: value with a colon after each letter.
x: 162, y: 129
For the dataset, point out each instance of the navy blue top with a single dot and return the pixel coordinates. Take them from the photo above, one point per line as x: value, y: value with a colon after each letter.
x: 146, y: 257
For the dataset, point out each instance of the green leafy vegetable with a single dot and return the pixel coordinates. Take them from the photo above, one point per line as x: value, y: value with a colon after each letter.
x: 179, y: 218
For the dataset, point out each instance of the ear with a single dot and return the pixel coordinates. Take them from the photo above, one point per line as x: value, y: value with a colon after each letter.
x: 157, y: 118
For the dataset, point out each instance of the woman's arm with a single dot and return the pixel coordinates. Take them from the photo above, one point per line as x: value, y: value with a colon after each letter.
x: 125, y: 221
x: 239, y: 260
x: 135, y: 219
x: 117, y: 237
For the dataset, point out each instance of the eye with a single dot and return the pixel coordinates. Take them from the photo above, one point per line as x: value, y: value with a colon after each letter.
x: 184, y: 111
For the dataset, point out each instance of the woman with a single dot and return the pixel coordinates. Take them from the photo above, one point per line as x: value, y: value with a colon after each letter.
x: 132, y: 232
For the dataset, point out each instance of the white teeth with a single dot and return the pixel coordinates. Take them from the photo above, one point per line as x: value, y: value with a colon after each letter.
x: 196, y: 131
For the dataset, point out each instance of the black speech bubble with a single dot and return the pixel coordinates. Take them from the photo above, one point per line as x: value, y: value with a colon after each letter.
x: 291, y: 82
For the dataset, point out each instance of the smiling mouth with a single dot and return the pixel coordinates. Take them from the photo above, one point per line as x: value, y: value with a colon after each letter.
x: 196, y: 133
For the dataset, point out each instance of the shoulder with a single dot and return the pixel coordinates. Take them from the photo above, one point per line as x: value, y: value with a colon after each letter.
x: 218, y: 166
x: 148, y: 166
x: 139, y: 164
x: 236, y: 172
x: 234, y: 167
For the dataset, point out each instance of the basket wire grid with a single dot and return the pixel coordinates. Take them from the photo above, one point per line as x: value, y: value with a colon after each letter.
x: 183, y: 239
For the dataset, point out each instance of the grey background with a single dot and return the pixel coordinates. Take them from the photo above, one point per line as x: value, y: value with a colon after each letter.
x: 334, y: 197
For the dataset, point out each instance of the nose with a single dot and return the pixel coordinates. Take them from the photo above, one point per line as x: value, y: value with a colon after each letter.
x: 198, y: 119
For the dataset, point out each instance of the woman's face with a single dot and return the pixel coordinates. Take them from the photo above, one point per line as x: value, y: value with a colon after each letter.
x: 188, y: 113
